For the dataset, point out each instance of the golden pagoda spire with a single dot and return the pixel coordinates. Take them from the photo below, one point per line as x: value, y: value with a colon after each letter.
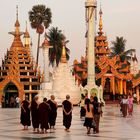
x: 63, y: 55
x: 100, y: 21
x: 17, y: 41
x: 17, y: 25
x: 26, y: 36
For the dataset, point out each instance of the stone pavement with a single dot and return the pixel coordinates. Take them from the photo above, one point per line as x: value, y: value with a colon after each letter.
x: 112, y: 126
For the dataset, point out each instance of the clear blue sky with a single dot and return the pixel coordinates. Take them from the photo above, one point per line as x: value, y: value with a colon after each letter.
x: 120, y: 18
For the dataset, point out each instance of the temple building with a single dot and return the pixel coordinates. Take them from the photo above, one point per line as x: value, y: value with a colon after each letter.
x: 18, y: 74
x: 115, y: 78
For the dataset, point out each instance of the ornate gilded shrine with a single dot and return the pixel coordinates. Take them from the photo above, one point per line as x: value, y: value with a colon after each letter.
x: 115, y: 78
x: 18, y: 75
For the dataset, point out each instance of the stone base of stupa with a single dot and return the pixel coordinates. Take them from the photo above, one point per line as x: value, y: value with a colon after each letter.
x: 45, y: 92
x: 74, y: 98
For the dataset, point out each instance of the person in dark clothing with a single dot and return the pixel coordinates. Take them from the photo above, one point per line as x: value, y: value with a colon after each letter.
x: 97, y: 113
x: 67, y: 113
x: 82, y: 106
x: 12, y: 102
x: 3, y: 102
x: 35, y: 113
x: 53, y: 112
x: 44, y: 110
x: 25, y: 114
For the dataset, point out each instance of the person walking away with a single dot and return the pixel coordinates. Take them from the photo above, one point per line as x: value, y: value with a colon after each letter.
x: 44, y: 110
x: 124, y: 106
x: 17, y: 102
x: 53, y: 112
x: 97, y: 113
x: 25, y: 113
x: 89, y: 115
x: 130, y: 105
x: 35, y: 114
x: 67, y: 113
x: 82, y: 106
x: 3, y: 101
x: 120, y: 102
x: 12, y: 102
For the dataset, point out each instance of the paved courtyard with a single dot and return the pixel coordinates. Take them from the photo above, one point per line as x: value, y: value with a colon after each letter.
x: 112, y: 126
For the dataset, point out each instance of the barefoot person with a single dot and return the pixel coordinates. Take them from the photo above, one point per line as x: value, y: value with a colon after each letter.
x: 25, y: 113
x: 67, y: 113
x: 89, y: 115
x: 35, y: 113
x: 53, y: 112
x: 130, y: 105
x: 124, y: 106
x: 44, y: 110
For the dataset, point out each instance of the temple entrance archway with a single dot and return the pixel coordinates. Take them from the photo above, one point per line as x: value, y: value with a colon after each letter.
x: 10, y: 94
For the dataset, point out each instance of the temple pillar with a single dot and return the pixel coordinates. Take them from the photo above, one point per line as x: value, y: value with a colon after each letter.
x: 103, y: 82
x: 121, y: 86
x: 137, y: 93
x: 124, y: 87
x: 113, y: 85
x: 30, y: 97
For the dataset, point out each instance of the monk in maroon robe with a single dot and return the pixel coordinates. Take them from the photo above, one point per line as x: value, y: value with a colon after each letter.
x: 35, y: 113
x: 67, y: 113
x: 53, y: 112
x: 44, y: 110
x: 25, y: 113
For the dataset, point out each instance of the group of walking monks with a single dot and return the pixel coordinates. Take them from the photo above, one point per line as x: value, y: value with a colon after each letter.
x: 43, y: 115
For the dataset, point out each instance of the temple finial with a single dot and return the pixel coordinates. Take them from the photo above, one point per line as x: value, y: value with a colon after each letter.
x: 17, y: 22
x: 100, y: 21
x: 26, y: 34
x: 17, y: 11
x: 63, y: 55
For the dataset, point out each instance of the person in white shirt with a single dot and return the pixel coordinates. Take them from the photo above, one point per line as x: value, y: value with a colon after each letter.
x: 124, y: 106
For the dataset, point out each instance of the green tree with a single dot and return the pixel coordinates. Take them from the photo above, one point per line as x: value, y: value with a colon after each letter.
x: 119, y: 48
x: 40, y: 18
x: 56, y: 38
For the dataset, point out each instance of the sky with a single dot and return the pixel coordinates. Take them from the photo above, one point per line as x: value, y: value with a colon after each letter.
x: 120, y: 18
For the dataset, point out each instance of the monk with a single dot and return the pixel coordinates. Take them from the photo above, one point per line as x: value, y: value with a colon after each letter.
x: 35, y: 113
x: 53, y: 112
x: 25, y: 113
x: 67, y: 113
x: 44, y: 110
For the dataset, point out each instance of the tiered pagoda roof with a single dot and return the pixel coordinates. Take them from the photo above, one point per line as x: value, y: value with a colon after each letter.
x: 101, y: 42
x: 18, y: 66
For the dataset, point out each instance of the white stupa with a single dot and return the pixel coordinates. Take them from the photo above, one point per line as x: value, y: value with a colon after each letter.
x: 61, y: 83
x: 64, y: 81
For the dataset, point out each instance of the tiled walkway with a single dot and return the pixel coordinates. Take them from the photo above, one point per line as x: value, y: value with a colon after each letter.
x: 112, y: 126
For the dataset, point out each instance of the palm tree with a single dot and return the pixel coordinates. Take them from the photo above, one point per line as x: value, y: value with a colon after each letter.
x: 56, y: 38
x: 40, y: 18
x: 119, y: 49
